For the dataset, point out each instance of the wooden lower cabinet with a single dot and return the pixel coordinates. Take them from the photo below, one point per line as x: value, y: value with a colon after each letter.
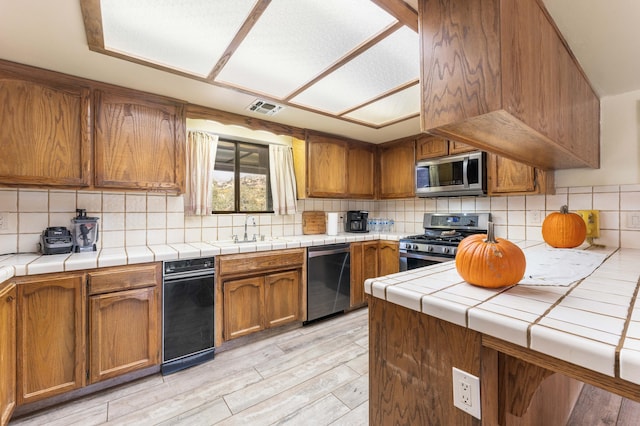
x: 260, y: 302
x: 259, y: 291
x: 50, y: 336
x: 243, y: 306
x: 124, y: 320
x: 7, y: 352
x: 282, y: 298
x: 364, y: 265
x: 124, y: 332
x: 388, y: 257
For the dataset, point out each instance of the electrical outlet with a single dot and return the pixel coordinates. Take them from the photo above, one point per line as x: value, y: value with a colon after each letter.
x: 3, y: 222
x: 466, y: 392
x: 592, y: 221
x: 633, y: 220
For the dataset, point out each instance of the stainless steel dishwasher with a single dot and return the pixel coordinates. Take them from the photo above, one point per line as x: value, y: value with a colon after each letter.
x: 328, y: 280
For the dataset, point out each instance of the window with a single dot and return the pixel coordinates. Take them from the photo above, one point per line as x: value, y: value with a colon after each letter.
x: 241, y: 178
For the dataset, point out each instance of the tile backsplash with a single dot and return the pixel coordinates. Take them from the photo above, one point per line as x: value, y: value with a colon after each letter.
x: 133, y: 219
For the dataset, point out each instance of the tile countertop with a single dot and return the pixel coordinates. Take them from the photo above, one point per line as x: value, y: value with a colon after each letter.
x: 34, y: 263
x: 587, y: 323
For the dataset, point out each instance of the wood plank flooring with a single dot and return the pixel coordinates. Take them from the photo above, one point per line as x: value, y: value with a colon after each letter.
x: 315, y: 375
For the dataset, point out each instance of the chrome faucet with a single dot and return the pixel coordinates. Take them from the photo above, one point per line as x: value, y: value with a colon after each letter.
x: 253, y: 222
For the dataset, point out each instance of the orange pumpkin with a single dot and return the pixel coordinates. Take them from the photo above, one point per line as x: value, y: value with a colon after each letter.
x: 486, y: 261
x: 564, y: 229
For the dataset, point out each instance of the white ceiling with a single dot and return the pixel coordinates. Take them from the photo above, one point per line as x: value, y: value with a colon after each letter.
x: 50, y: 34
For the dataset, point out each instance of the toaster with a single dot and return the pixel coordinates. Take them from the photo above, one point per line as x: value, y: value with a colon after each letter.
x: 56, y: 240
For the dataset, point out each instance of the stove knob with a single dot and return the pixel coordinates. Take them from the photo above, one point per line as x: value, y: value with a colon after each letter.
x: 415, y: 247
x: 429, y: 249
x: 445, y: 250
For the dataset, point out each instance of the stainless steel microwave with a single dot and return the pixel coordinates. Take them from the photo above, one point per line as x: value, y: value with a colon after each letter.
x: 455, y: 175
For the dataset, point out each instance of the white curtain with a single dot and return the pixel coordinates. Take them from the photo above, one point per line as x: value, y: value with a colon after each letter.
x: 283, y: 180
x: 201, y: 158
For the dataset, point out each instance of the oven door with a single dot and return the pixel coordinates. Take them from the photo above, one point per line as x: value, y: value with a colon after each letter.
x: 412, y: 260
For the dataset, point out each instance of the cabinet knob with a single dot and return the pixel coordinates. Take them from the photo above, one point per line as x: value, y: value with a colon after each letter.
x: 10, y: 299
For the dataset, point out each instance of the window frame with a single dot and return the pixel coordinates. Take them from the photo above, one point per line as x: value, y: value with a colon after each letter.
x: 236, y: 178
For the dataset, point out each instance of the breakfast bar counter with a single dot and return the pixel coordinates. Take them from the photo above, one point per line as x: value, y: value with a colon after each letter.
x: 425, y: 321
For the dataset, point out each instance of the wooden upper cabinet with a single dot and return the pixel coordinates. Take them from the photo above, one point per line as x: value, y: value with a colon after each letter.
x: 428, y: 146
x: 44, y: 125
x: 456, y: 147
x: 51, y: 335
x: 508, y: 177
x: 7, y: 352
x: 360, y: 170
x: 331, y: 167
x: 528, y: 100
x: 397, y: 169
x: 326, y: 167
x: 139, y: 142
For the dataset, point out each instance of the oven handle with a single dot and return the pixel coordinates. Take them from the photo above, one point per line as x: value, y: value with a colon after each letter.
x: 190, y: 274
x: 425, y: 257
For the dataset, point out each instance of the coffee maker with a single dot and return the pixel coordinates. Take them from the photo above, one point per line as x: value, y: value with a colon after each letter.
x: 356, y: 221
x: 85, y: 232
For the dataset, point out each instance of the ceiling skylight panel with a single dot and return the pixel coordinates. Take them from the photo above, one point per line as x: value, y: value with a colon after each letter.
x: 391, y: 63
x: 187, y: 35
x: 399, y: 105
x: 295, y: 40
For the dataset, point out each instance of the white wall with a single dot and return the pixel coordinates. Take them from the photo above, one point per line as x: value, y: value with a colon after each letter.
x: 619, y: 145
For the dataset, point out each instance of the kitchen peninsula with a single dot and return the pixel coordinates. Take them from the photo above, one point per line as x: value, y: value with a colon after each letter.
x: 425, y: 321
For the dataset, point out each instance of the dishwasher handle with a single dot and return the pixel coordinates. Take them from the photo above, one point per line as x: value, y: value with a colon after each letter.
x: 328, y: 250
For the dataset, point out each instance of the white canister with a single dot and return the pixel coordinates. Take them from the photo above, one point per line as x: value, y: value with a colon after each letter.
x: 332, y: 223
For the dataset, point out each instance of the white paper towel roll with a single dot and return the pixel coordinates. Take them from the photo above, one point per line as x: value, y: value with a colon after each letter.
x: 332, y: 223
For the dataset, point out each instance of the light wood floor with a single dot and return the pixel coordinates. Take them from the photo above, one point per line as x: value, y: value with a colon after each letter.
x: 314, y: 375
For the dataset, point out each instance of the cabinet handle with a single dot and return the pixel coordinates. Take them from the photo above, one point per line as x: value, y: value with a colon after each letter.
x: 10, y: 299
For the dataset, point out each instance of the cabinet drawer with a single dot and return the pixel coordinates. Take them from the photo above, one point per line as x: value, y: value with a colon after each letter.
x: 124, y: 278
x: 253, y: 262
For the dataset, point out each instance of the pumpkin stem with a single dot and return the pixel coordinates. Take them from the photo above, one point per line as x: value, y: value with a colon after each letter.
x: 564, y: 209
x: 491, y: 238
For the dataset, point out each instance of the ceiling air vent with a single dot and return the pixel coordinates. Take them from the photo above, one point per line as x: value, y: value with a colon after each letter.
x: 264, y: 107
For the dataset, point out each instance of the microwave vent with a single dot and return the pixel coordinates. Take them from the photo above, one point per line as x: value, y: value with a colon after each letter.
x: 264, y: 107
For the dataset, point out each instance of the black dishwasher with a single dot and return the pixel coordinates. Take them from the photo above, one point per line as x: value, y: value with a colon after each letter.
x: 328, y: 280
x: 187, y: 313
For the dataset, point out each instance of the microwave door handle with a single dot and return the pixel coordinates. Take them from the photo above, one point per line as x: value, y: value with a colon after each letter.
x: 465, y: 167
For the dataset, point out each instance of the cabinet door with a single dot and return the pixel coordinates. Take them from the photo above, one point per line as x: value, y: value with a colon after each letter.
x: 243, y: 306
x: 388, y: 257
x: 459, y: 147
x: 51, y: 336
x: 124, y: 332
x: 282, y: 296
x: 506, y: 176
x: 139, y: 142
x: 364, y: 265
x: 45, y: 128
x: 326, y: 167
x: 360, y: 171
x: 7, y: 353
x: 397, y: 170
x: 428, y: 146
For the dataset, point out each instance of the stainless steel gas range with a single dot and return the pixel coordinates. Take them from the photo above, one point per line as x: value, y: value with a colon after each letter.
x: 442, y: 234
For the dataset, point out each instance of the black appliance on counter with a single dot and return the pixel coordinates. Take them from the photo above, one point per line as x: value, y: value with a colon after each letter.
x: 328, y: 280
x: 56, y: 240
x: 356, y: 221
x: 442, y: 234
x: 187, y: 313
